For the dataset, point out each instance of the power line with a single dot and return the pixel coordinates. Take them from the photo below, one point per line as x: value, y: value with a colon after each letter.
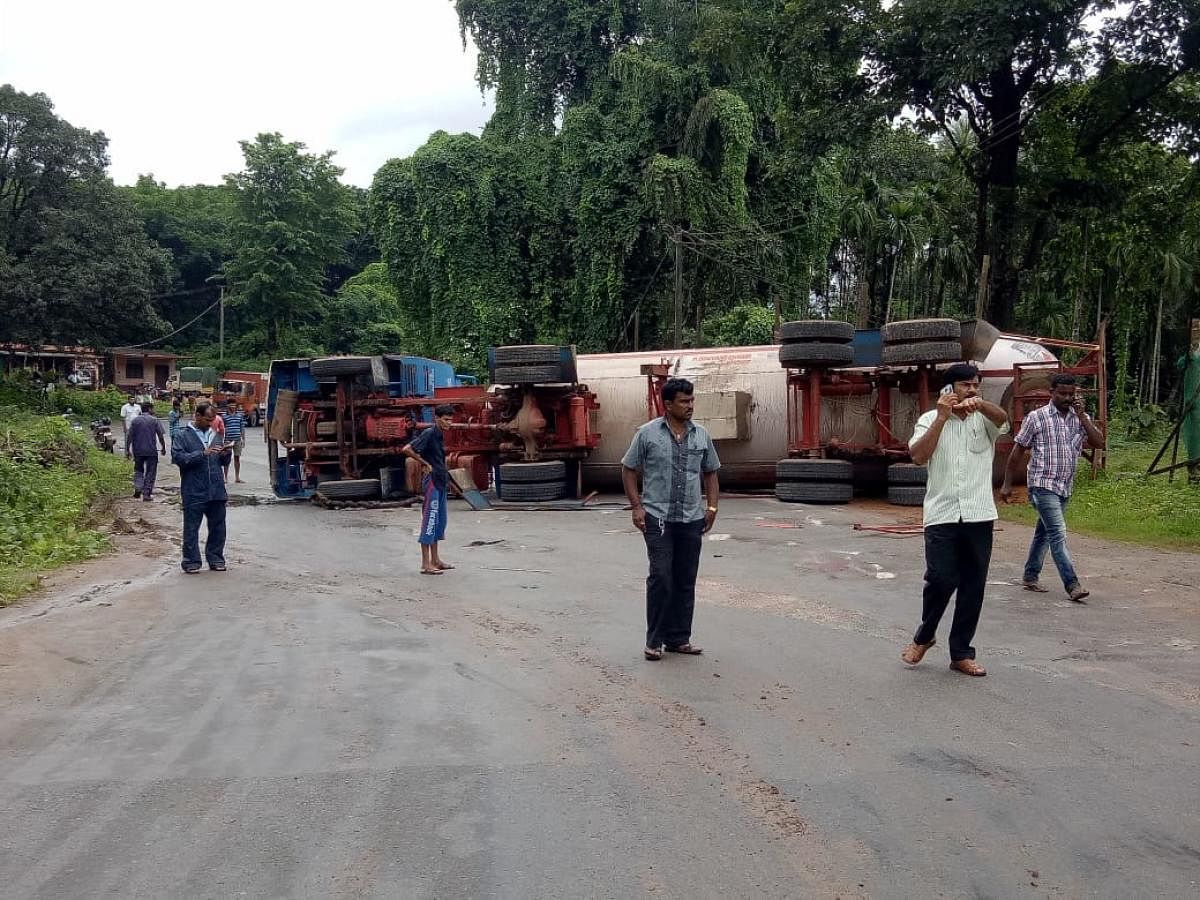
x: 171, y: 334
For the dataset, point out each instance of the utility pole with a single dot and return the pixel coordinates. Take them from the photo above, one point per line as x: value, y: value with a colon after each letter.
x: 222, y: 325
x: 679, y: 289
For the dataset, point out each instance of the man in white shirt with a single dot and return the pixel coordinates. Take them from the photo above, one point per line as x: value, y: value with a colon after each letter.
x: 129, y: 412
x: 957, y: 441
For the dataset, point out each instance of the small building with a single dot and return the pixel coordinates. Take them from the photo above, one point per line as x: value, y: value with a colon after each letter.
x: 77, y: 365
x: 129, y: 370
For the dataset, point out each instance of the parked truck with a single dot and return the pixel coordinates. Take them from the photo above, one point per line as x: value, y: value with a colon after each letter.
x: 192, y: 381
x: 245, y: 390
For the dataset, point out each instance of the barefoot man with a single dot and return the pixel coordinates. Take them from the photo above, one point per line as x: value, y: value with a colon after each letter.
x: 429, y: 449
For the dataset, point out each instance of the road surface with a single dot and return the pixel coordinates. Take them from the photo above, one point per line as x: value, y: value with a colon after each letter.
x: 323, y: 721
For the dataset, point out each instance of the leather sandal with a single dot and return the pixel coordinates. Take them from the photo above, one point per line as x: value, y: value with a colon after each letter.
x: 915, y: 652
x: 1036, y: 586
x: 690, y: 649
x: 968, y: 667
x: 1078, y: 593
x: 654, y: 654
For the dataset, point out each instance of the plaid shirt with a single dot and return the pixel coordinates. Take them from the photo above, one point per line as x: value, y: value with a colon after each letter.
x: 1055, y: 441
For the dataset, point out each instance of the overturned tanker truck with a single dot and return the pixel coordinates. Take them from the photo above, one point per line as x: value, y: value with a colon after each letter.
x: 338, y: 425
x: 828, y: 412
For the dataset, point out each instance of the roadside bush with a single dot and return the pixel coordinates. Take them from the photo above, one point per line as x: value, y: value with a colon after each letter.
x: 18, y: 390
x: 52, y: 486
x: 87, y: 406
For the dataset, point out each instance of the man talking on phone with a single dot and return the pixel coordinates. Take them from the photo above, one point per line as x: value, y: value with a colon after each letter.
x: 202, y: 458
x: 957, y: 441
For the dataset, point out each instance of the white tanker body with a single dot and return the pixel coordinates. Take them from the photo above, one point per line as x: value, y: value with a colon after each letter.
x: 741, y: 396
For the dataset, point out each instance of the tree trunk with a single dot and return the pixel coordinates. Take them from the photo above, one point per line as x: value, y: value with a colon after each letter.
x: 1154, y: 355
x: 887, y: 309
x: 1002, y: 157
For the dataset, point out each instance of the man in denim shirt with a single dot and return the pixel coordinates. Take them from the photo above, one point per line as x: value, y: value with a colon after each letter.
x: 201, y: 457
x: 672, y: 454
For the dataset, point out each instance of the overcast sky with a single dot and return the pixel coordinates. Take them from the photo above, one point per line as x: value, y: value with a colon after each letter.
x: 175, y: 86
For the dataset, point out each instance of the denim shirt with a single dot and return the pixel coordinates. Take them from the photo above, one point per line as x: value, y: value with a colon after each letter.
x: 671, y: 482
x: 201, y: 475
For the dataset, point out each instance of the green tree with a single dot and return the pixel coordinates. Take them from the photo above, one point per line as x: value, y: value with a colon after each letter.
x: 76, y: 264
x: 293, y: 219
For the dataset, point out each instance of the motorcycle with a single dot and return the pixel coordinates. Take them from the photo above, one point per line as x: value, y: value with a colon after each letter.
x: 103, y: 436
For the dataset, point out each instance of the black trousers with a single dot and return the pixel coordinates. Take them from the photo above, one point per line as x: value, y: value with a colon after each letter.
x: 214, y: 546
x: 673, y: 549
x: 957, y: 556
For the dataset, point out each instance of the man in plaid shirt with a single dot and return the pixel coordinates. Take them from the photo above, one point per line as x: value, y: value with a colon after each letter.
x: 1054, y: 434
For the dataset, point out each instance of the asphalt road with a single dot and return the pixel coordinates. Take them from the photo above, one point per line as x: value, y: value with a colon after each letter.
x: 323, y: 721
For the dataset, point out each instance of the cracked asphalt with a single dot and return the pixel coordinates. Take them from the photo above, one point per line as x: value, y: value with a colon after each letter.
x: 322, y: 721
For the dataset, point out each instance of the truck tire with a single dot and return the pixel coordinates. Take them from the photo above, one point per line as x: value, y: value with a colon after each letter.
x: 527, y: 472
x: 822, y: 470
x: 528, y: 355
x: 372, y: 369
x: 350, y: 489
x: 918, y: 354
x: 542, y: 374
x: 814, y: 491
x: 906, y: 494
x: 910, y: 331
x: 537, y: 490
x: 827, y: 331
x: 810, y: 355
x: 907, y: 473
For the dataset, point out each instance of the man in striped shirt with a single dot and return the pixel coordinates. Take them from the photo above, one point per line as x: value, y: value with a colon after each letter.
x: 235, y: 435
x: 1054, y: 434
x: 957, y: 441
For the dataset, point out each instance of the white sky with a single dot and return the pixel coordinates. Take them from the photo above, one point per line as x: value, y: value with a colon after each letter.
x: 175, y: 86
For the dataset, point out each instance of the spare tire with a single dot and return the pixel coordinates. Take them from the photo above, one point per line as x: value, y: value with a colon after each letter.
x: 350, y: 489
x: 906, y: 494
x: 528, y: 355
x: 917, y: 354
x: 828, y: 331
x: 907, y: 473
x: 910, y: 331
x: 526, y: 472
x: 537, y: 490
x: 372, y: 369
x: 812, y: 355
x: 814, y: 491
x: 825, y: 470
x: 529, y: 375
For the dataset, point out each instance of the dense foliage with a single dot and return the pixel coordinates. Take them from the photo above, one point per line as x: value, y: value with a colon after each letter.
x: 739, y: 161
x: 50, y: 483
x: 75, y: 262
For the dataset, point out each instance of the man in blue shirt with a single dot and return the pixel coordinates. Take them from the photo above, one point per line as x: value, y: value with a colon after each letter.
x: 201, y: 458
x: 673, y: 455
x: 429, y: 449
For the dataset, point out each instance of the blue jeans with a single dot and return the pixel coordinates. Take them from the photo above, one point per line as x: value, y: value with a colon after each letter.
x: 214, y: 546
x: 1051, y: 532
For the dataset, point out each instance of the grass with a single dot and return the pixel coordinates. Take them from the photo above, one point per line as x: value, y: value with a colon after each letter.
x: 54, y: 486
x: 1122, y: 503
